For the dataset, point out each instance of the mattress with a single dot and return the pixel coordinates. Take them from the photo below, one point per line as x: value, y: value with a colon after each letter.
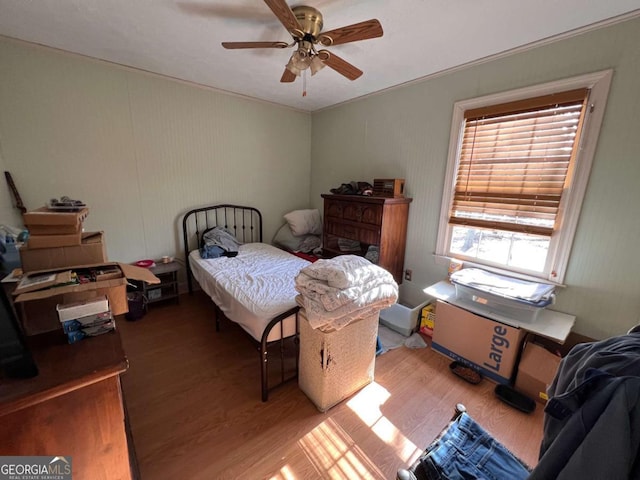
x: 253, y: 287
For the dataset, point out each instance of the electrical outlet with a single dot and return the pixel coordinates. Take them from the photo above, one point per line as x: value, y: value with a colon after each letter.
x: 407, y: 274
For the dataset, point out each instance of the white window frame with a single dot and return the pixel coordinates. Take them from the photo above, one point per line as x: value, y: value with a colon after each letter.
x: 569, y: 213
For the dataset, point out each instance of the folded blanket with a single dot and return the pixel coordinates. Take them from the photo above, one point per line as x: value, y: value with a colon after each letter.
x: 367, y: 304
x: 334, y: 292
x: 332, y: 298
x: 501, y: 285
x: 344, y: 271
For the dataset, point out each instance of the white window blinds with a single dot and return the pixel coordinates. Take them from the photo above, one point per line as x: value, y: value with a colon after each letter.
x: 514, y: 161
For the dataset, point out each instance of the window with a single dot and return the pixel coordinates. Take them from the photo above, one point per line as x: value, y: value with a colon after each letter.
x: 517, y: 171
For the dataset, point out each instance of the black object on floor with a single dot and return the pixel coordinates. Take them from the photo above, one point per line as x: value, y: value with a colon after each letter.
x: 515, y: 399
x: 466, y: 373
x: 137, y: 303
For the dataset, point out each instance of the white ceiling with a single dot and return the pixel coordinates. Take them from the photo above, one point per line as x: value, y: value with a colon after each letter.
x: 181, y: 38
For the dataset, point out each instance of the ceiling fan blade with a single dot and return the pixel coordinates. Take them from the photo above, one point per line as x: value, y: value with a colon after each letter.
x: 339, y: 65
x: 287, y: 76
x: 234, y: 45
x: 351, y: 33
x: 285, y: 15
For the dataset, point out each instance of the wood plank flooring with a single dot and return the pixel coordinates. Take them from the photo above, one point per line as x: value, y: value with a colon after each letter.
x: 193, y: 397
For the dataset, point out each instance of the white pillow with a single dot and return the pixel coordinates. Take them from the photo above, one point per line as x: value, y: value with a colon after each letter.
x: 304, y: 222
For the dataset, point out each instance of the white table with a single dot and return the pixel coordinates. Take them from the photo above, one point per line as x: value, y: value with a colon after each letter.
x: 549, y: 323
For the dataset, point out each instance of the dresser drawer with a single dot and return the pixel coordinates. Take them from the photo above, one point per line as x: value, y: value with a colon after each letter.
x: 370, y: 214
x: 364, y: 235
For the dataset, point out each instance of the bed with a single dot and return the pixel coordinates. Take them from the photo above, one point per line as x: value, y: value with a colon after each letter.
x: 254, y: 289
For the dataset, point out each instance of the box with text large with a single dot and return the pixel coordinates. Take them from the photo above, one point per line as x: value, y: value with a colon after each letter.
x: 489, y: 346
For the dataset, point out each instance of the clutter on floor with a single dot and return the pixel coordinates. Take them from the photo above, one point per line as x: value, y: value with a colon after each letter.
x: 465, y: 372
x: 514, y: 398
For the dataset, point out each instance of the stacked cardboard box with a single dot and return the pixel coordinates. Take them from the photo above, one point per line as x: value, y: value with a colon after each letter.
x: 56, y: 240
x: 92, y: 249
x: 86, y: 319
x: 50, y: 228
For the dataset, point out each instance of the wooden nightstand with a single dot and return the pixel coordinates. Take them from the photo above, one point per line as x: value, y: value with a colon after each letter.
x: 167, y: 289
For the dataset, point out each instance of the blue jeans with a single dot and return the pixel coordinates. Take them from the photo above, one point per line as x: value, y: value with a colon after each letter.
x: 466, y: 451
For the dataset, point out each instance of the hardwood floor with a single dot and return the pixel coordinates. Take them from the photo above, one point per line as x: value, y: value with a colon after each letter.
x: 193, y: 397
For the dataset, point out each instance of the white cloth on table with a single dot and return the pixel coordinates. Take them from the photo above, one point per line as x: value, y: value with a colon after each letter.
x: 334, y: 292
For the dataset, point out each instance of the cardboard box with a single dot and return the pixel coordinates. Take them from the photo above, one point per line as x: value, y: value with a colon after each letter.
x: 44, y: 216
x: 31, y: 283
x: 38, y: 308
x: 54, y: 229
x: 536, y: 371
x: 91, y: 250
x: 335, y: 365
x: 51, y: 241
x: 491, y: 347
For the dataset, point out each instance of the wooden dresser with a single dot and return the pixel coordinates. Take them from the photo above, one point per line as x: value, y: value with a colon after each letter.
x: 377, y: 221
x: 73, y: 408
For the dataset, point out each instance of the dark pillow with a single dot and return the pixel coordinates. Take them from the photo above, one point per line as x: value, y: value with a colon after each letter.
x: 286, y: 240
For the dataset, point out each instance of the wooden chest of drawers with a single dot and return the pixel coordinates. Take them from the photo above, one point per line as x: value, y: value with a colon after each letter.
x: 376, y: 221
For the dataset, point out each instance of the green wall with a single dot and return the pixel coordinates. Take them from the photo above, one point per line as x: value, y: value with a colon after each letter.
x: 404, y: 133
x: 141, y: 149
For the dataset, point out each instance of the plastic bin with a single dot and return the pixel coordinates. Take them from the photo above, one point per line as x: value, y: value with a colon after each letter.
x: 402, y: 317
x: 488, y: 303
x: 490, y: 293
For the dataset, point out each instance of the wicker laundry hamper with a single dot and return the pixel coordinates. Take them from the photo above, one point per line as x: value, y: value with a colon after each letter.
x: 335, y: 365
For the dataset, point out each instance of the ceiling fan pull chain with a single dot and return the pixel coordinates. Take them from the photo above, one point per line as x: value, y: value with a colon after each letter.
x: 304, y: 83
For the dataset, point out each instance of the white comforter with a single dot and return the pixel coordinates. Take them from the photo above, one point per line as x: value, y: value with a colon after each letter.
x: 336, y: 291
x: 251, y: 288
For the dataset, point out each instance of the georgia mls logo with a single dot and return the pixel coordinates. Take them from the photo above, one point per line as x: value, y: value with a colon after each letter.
x: 59, y: 465
x: 35, y: 468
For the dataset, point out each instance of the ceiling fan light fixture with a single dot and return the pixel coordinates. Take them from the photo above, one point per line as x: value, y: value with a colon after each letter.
x: 301, y: 59
x: 292, y: 68
x: 316, y: 65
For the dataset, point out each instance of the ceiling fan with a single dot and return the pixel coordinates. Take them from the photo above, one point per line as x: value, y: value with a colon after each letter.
x: 305, y: 26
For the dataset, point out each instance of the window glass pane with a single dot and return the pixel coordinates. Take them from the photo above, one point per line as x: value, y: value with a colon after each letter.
x: 529, y: 252
x: 464, y: 241
x: 494, y: 246
x: 501, y: 248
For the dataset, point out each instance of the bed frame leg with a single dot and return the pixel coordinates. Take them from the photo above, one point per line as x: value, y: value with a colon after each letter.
x: 217, y: 316
x: 264, y: 354
x: 296, y: 342
x: 282, y: 352
x: 265, y: 370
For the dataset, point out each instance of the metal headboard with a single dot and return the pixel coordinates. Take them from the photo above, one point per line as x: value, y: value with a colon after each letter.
x: 244, y: 222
